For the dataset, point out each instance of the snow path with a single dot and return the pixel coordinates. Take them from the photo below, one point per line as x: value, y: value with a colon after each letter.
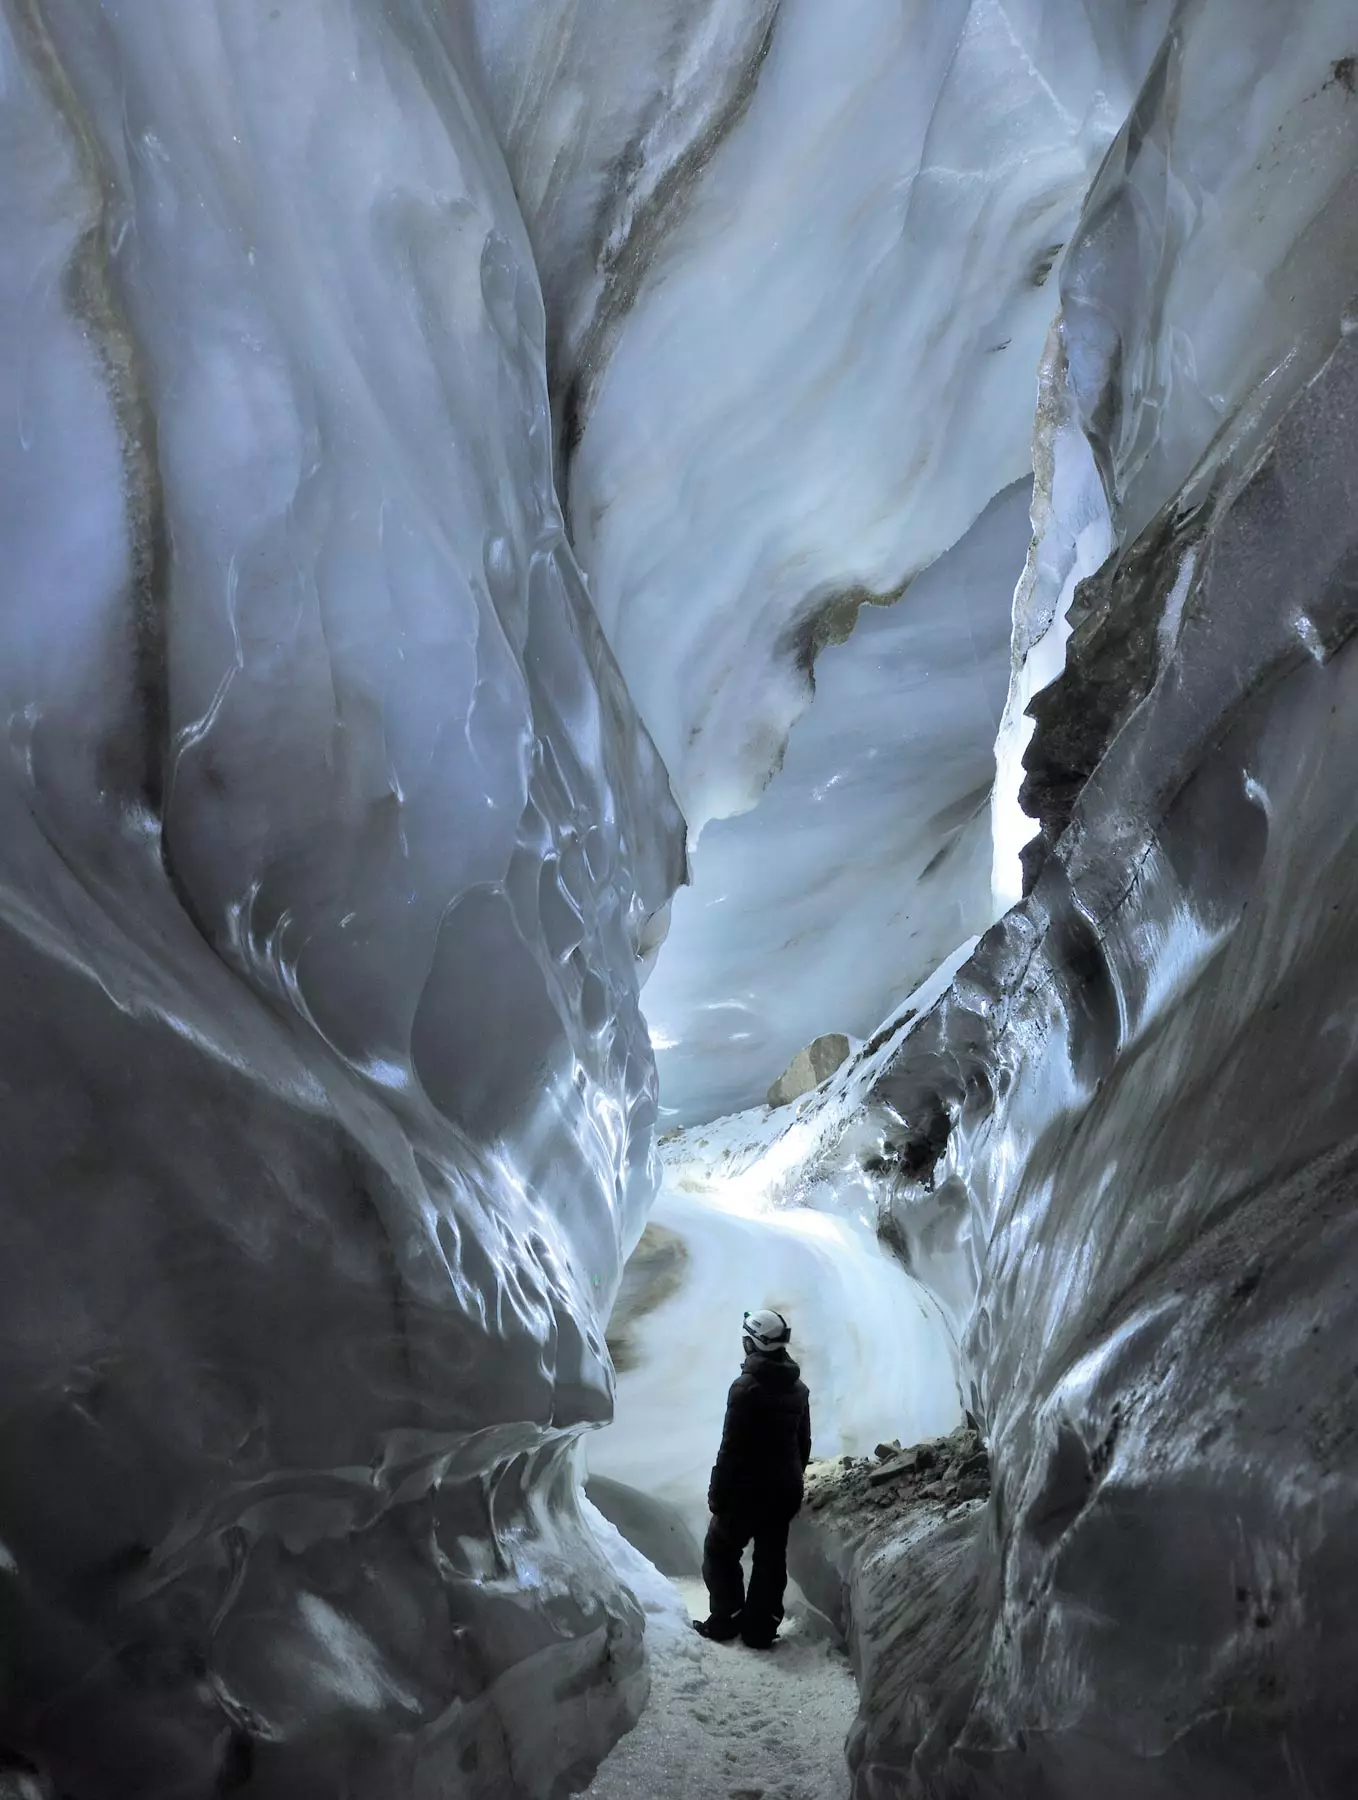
x: 726, y: 1723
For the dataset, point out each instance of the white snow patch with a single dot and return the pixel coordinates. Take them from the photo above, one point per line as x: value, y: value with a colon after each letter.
x: 668, y: 1629
x: 736, y: 1724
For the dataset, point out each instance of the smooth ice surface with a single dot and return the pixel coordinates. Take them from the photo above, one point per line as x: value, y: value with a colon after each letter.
x: 827, y: 371
x: 868, y: 857
x: 668, y: 1625
x: 330, y: 842
x: 605, y: 113
x: 1119, y: 1147
x: 798, y: 273
x: 1147, y: 1074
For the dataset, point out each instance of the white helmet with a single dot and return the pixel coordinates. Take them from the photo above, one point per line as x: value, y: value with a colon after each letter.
x: 766, y: 1330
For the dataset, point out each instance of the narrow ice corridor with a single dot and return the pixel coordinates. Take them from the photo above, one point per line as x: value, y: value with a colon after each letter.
x: 662, y: 659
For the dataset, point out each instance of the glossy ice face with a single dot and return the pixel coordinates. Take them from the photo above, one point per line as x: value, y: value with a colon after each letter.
x: 1150, y: 1096
x: 336, y: 673
x: 799, y: 263
x: 1132, y: 1108
x: 331, y: 838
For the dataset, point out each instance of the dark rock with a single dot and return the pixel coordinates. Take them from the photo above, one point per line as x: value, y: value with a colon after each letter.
x: 895, y: 1470
x: 655, y: 1271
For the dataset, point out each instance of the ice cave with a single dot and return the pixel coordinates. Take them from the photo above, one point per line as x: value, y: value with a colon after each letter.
x: 663, y: 657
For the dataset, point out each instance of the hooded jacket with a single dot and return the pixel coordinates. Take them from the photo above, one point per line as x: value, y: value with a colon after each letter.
x: 765, y: 1441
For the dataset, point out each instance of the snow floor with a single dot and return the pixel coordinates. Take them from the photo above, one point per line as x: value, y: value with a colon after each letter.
x: 727, y: 1723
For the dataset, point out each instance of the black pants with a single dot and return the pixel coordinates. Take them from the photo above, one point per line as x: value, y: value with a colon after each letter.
x: 760, y: 1612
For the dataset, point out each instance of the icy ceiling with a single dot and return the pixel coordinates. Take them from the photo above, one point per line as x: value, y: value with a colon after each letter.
x: 443, y: 451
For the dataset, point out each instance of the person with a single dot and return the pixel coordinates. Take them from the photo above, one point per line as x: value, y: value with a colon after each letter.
x: 756, y: 1487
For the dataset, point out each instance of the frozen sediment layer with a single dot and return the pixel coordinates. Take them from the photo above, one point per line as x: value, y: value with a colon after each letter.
x: 868, y: 857
x: 330, y: 841
x: 826, y: 372
x: 607, y: 114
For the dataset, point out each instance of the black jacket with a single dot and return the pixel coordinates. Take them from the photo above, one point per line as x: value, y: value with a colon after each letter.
x: 766, y: 1440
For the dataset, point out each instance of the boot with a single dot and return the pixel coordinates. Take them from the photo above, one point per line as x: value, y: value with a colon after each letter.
x: 717, y: 1629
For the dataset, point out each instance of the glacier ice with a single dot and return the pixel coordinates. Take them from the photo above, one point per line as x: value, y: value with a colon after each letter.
x: 337, y: 839
x: 1116, y: 1146
x: 1148, y: 1081
x: 1204, y: 286
x: 606, y: 114
x: 873, y: 832
x: 1137, y: 1096
x: 331, y: 842
x: 826, y: 371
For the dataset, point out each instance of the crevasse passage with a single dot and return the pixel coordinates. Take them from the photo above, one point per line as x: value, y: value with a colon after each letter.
x: 471, y: 473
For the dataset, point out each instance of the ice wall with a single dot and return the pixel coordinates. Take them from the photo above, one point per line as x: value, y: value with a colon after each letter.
x: 333, y: 844
x: 1147, y: 1074
x: 607, y: 114
x: 1120, y: 1146
x: 330, y: 845
x: 826, y: 372
x: 1200, y: 291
